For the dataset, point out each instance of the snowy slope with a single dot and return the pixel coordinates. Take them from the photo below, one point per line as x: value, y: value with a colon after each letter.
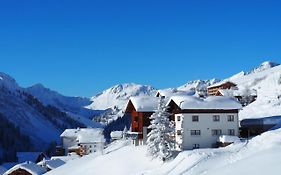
x: 75, y: 105
x: 41, y: 123
x: 241, y: 158
x: 266, y: 80
x: 118, y: 96
x: 198, y: 85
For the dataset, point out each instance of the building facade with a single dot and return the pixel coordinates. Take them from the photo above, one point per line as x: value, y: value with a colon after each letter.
x: 83, y: 141
x: 202, y: 129
x: 199, y: 122
x: 214, y: 89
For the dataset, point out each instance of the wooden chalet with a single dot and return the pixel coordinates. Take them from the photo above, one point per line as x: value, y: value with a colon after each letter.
x: 214, y: 89
x: 140, y: 109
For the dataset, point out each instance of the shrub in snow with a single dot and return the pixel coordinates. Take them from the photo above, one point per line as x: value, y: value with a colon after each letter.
x: 160, y: 142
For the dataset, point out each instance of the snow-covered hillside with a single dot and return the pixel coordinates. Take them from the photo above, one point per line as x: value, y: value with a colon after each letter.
x: 241, y: 158
x: 49, y: 97
x: 266, y: 80
x: 118, y: 96
x: 198, y: 85
x: 75, y: 106
x: 42, y: 124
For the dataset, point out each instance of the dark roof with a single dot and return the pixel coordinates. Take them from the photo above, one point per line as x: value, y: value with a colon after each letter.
x: 272, y: 120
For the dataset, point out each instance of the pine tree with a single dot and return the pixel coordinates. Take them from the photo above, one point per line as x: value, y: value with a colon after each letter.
x: 160, y: 142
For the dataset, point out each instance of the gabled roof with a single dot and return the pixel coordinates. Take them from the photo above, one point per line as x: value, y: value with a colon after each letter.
x: 145, y: 103
x: 85, y: 135
x: 30, y: 167
x: 221, y: 83
x: 212, y: 102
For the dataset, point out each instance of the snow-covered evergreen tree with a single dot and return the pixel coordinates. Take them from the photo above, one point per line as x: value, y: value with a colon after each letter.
x: 160, y: 142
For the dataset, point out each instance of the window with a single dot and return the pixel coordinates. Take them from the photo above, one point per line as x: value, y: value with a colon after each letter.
x: 178, y: 132
x: 196, y: 146
x: 195, y: 118
x: 231, y: 132
x: 216, y: 132
x: 230, y: 118
x: 179, y: 118
x: 216, y: 118
x: 195, y: 132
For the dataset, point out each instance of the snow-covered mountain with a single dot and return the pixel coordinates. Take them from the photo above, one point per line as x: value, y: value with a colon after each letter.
x: 266, y: 80
x: 71, y: 105
x: 198, y: 85
x: 118, y: 96
x: 264, y: 66
x: 41, y: 122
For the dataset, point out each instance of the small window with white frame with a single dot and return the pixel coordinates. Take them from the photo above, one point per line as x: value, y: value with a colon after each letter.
x: 230, y: 118
x: 231, y: 132
x: 216, y: 118
x: 178, y: 132
x: 195, y: 118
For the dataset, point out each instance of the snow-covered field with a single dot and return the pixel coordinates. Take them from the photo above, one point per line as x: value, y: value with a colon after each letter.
x: 261, y: 155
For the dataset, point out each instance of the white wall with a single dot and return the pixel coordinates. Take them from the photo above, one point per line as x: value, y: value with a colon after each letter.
x: 205, y: 125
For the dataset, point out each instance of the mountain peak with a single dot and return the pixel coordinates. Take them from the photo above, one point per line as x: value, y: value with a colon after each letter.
x: 118, y: 95
x: 8, y: 82
x: 264, y: 66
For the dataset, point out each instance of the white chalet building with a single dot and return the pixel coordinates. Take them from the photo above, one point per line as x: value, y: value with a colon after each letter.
x: 83, y: 141
x: 199, y: 122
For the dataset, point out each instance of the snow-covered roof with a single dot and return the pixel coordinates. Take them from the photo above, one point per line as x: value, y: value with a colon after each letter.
x: 52, y: 164
x: 30, y: 167
x: 145, y: 103
x: 2, y: 170
x: 85, y: 135
x: 228, y: 139
x: 220, y: 83
x: 212, y: 102
x: 27, y: 156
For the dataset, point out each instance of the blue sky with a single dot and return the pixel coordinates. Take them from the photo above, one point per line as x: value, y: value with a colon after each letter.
x: 83, y: 47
